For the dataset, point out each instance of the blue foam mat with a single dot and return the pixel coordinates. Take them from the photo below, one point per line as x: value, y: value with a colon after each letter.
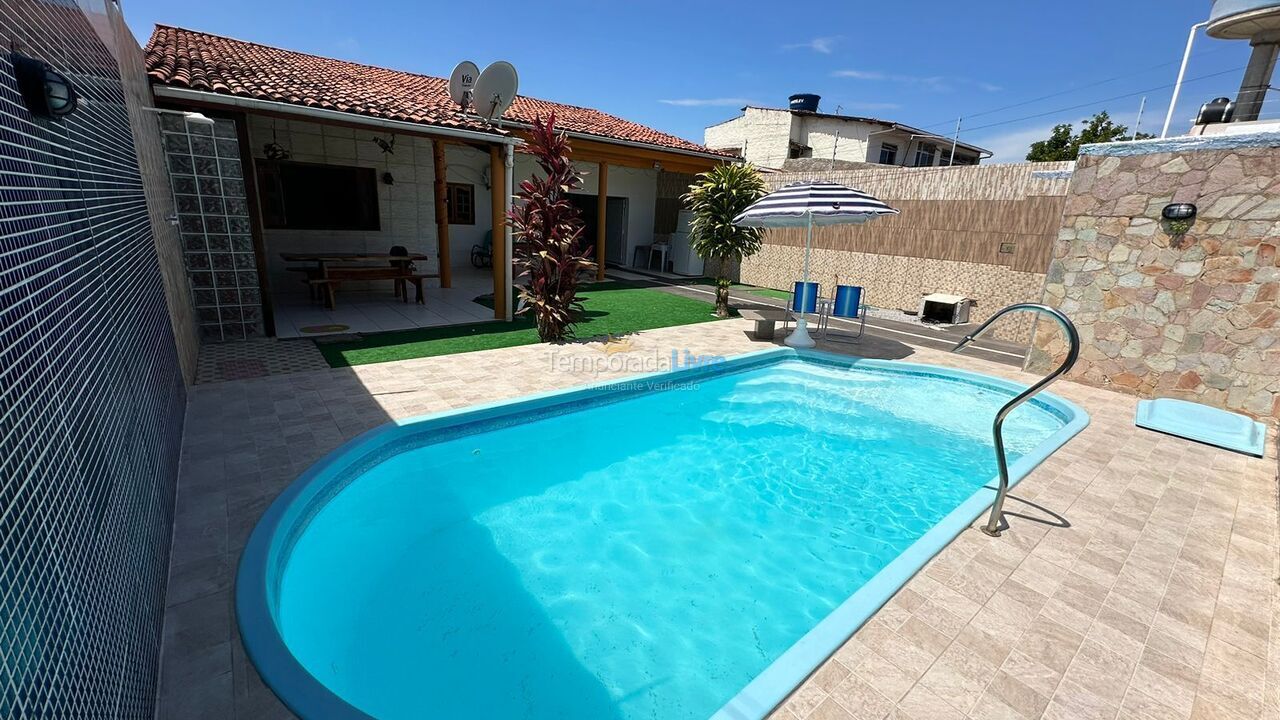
x: 1204, y: 424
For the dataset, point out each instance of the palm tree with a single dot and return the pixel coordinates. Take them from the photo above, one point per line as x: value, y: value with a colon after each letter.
x: 717, y: 197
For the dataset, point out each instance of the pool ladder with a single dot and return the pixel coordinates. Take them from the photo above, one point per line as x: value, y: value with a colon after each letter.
x: 997, y: 509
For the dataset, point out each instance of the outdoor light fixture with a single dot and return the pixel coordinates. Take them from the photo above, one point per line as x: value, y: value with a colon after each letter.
x: 46, y: 93
x: 1179, y: 211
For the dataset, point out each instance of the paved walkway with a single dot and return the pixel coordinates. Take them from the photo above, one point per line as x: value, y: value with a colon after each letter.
x: 1159, y: 601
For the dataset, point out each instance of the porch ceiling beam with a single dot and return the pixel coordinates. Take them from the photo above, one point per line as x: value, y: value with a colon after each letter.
x: 577, y: 137
x: 591, y: 151
x: 331, y: 117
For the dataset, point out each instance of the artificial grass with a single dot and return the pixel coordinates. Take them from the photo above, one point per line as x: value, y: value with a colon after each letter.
x: 610, y: 308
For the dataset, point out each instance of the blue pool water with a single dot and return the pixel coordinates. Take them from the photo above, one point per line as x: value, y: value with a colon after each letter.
x: 643, y: 558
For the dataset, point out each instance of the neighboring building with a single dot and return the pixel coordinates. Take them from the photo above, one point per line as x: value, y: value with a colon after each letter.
x: 768, y: 137
x: 289, y: 124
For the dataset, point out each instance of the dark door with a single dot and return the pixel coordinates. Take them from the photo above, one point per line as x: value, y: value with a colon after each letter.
x: 615, y: 228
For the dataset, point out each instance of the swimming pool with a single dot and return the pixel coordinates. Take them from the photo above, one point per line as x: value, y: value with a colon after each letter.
x: 680, y: 545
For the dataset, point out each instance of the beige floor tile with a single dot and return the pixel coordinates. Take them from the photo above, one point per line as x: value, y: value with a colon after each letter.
x: 1168, y: 564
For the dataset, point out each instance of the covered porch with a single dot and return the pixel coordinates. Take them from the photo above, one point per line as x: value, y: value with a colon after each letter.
x: 292, y: 219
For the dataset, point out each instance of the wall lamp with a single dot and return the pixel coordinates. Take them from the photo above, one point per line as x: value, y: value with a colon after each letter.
x: 1179, y: 211
x: 45, y: 92
x: 189, y: 115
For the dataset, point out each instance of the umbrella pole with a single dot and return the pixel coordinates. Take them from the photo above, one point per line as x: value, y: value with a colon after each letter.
x: 799, y: 338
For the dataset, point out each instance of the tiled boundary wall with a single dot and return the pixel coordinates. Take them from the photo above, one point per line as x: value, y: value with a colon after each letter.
x: 983, y: 232
x: 1196, y: 316
x: 91, y: 388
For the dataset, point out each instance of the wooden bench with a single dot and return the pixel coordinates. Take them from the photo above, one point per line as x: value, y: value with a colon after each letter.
x: 335, y: 276
x: 765, y: 321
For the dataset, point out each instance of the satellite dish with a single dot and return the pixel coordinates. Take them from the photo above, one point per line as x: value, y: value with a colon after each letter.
x: 495, y: 90
x: 462, y: 81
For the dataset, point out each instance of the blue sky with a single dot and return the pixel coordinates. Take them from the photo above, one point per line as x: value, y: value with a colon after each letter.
x: 680, y: 66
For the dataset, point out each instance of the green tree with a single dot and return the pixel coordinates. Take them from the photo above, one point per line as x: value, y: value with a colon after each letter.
x: 1063, y: 144
x: 717, y: 197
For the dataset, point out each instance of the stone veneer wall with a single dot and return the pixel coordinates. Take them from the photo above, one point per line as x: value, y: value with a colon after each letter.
x: 1195, y: 317
x: 982, y: 232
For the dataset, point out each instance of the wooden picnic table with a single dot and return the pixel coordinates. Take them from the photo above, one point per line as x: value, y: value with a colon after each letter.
x: 323, y: 259
x: 325, y: 280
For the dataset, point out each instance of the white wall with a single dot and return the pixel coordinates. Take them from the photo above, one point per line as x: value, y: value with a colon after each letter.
x: 850, y: 144
x: 465, y: 164
x: 767, y: 135
x: 764, y: 133
x: 638, y: 185
x: 406, y: 209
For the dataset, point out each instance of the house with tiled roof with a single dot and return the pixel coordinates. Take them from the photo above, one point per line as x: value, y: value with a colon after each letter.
x: 284, y: 164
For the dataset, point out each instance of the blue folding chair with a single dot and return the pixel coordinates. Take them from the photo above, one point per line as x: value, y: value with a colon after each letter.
x: 804, y: 301
x: 847, y: 304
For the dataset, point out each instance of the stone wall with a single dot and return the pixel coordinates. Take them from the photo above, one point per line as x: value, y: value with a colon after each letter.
x: 1193, y: 316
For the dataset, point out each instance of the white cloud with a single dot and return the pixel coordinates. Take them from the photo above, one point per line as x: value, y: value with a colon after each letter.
x: 859, y: 74
x: 932, y: 82
x: 707, y: 102
x: 990, y: 87
x: 1012, y: 146
x: 824, y: 45
x: 348, y: 46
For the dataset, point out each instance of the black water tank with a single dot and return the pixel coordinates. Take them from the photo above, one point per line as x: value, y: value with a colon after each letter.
x: 805, y: 101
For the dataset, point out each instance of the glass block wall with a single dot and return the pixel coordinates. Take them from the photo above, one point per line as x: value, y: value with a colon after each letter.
x: 213, y: 216
x: 91, y: 394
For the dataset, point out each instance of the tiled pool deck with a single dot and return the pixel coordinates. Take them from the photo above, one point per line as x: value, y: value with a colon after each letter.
x: 1158, y: 601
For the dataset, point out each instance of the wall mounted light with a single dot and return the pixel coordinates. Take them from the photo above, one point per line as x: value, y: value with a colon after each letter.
x: 1179, y: 211
x: 45, y: 92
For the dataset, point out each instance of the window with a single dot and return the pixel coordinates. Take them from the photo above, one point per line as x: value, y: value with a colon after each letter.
x: 460, y: 198
x: 925, y: 155
x: 311, y: 196
x: 966, y: 160
x: 798, y: 151
x: 888, y: 154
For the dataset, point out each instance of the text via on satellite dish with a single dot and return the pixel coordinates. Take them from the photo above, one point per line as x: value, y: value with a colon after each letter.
x: 462, y: 83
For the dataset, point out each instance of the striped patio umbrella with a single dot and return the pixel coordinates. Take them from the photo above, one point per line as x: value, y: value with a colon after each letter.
x: 805, y: 204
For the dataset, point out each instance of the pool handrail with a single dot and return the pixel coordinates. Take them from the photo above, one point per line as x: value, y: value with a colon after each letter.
x: 992, y: 527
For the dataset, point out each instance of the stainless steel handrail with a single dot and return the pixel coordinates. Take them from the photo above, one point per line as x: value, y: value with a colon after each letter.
x: 993, y: 525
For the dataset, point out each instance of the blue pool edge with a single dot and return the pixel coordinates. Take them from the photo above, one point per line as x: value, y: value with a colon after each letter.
x: 307, y: 697
x: 772, y: 686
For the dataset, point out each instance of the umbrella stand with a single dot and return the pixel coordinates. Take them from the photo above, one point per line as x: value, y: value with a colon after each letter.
x: 799, y: 338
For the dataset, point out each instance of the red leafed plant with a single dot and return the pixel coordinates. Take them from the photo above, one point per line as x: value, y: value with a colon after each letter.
x: 547, y: 230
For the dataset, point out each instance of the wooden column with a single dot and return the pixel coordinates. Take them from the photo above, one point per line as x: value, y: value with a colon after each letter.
x: 442, y: 213
x: 497, y: 195
x: 602, y: 205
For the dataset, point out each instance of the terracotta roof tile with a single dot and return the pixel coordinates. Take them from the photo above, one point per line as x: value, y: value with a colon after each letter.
x: 199, y: 61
